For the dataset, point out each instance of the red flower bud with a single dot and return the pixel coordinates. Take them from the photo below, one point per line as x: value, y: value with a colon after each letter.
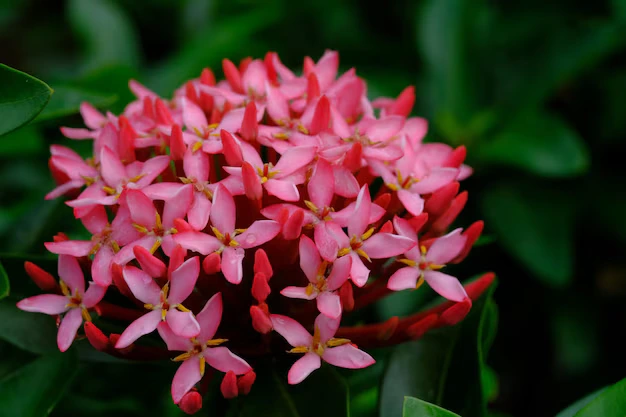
x: 229, y: 385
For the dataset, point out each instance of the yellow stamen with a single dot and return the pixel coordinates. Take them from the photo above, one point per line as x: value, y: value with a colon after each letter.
x: 95, y: 249
x: 64, y: 289
x: 239, y: 231
x: 303, y: 129
x: 163, y: 314
x: 182, y: 357
x: 202, y: 365
x: 423, y: 249
x: 392, y: 187
x: 420, y: 281
x: 435, y: 267
x: 264, y: 180
x: 197, y: 132
x: 196, y: 146
x: 299, y: 349
x: 213, y: 126
x: 140, y: 228
x: 166, y: 289
x: 367, y: 234
x: 183, y: 308
x: 281, y: 136
x: 109, y: 190
x: 407, y: 262
x: 343, y: 252
x: 148, y: 306
x: 309, y: 289
x: 233, y: 243
x: 115, y: 246
x: 158, y: 221
x: 215, y: 342
x: 337, y: 342
x: 85, y: 314
x: 88, y: 180
x: 173, y: 230
x: 156, y: 246
x: 363, y: 254
x: 310, y: 206
x: 217, y: 233
x: 136, y: 178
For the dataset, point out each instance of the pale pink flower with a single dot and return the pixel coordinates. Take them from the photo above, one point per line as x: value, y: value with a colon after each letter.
x: 228, y: 241
x: 80, y: 172
x: 322, y: 345
x: 324, y: 279
x: 424, y: 265
x: 201, y: 350
x: 364, y: 243
x: 74, y: 302
x: 165, y: 303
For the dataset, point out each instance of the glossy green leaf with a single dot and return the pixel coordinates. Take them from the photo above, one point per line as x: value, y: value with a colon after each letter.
x: 273, y: 397
x: 67, y: 99
x: 22, y: 97
x: 35, y: 389
x: 535, y: 225
x: 4, y: 282
x: 540, y: 144
x: 107, y: 32
x: 414, y: 407
x: 443, y: 368
x: 610, y: 403
x: 32, y: 332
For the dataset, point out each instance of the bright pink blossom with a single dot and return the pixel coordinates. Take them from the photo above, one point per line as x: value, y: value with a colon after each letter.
x: 74, y: 302
x: 322, y: 345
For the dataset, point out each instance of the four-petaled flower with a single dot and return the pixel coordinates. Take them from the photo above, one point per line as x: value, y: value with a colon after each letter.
x: 322, y: 345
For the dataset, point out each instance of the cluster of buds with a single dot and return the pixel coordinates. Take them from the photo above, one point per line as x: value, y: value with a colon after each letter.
x: 231, y: 207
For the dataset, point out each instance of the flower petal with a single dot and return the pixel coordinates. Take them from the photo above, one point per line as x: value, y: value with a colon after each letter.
x: 45, y: 303
x: 298, y: 292
x: 182, y: 323
x: 321, y: 185
x: 326, y: 326
x: 193, y: 116
x: 411, y: 201
x: 386, y: 245
x: 222, y: 359
x: 198, y: 242
x: 209, y: 318
x: 403, y: 279
x: 340, y: 273
x: 291, y: 330
x: 329, y: 304
x: 232, y: 259
x: 445, y: 285
x: 325, y: 242
x: 223, y: 210
x: 187, y: 375
x: 285, y: 190
x: 173, y: 341
x: 360, y: 217
x: 446, y: 248
x: 75, y: 248
x: 93, y: 295
x: 111, y: 168
x: 143, y: 325
x: 309, y: 258
x: 196, y: 165
x: 70, y: 272
x: 358, y: 272
x: 68, y: 328
x: 177, y: 206
x: 199, y: 211
x: 142, y: 285
x: 347, y: 356
x: 183, y: 280
x: 294, y: 159
x: 259, y: 232
x: 141, y: 208
x: 303, y: 368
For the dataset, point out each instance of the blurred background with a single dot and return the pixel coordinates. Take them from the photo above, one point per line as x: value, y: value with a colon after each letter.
x: 535, y: 90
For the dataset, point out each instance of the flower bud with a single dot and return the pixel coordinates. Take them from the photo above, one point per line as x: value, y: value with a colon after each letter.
x: 260, y: 320
x: 244, y: 383
x: 229, y: 385
x: 41, y: 278
x: 191, y: 402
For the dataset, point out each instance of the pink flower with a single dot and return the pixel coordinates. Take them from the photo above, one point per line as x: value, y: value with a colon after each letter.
x: 79, y: 172
x: 147, y: 221
x: 201, y: 350
x: 425, y: 264
x: 366, y: 244
x: 279, y: 180
x: 165, y: 303
x: 104, y: 244
x: 74, y: 302
x: 322, y: 345
x: 324, y: 281
x: 228, y: 241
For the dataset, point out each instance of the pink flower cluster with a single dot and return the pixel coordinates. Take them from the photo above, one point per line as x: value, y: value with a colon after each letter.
x: 254, y: 196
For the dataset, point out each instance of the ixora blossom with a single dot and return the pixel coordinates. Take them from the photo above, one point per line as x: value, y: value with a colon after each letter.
x: 242, y: 216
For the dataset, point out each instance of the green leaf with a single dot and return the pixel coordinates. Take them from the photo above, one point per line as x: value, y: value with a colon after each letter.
x: 4, y: 283
x: 32, y: 332
x: 444, y: 367
x: 578, y: 405
x: 22, y: 142
x: 34, y: 390
x: 540, y: 144
x: 67, y: 99
x: 414, y: 407
x: 107, y: 33
x: 273, y: 397
x: 610, y: 403
x: 22, y: 97
x: 534, y: 224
